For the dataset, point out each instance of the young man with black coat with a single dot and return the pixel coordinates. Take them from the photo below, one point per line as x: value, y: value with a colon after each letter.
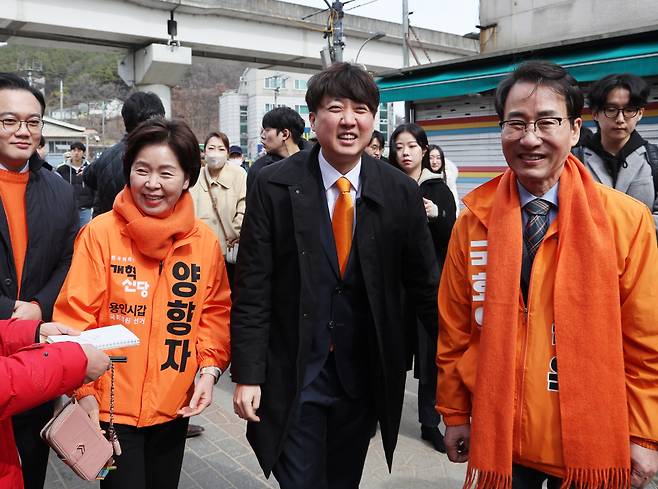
x: 331, y: 241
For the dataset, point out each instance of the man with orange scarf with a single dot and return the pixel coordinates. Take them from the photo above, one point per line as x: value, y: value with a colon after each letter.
x: 545, y: 268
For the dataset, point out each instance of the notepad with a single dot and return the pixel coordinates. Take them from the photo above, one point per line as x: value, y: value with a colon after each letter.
x: 105, y: 338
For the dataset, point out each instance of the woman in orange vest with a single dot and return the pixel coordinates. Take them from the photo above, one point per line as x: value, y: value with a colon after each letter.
x: 151, y: 266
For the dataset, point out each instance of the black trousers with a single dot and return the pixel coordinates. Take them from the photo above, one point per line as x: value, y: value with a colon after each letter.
x: 151, y: 458
x: 527, y: 478
x: 31, y: 448
x: 427, y: 415
x: 328, y: 442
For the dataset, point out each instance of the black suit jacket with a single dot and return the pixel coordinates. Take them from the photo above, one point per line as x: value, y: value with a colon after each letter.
x: 275, y: 298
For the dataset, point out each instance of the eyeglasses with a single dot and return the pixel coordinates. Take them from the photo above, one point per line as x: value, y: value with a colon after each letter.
x: 375, y: 147
x: 612, y: 112
x: 544, y: 126
x: 14, y: 125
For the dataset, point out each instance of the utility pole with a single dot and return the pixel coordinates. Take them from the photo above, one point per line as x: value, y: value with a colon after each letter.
x: 405, y: 33
x: 338, y: 30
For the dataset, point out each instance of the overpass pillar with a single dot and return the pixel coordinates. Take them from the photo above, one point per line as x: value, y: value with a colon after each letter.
x: 156, y: 68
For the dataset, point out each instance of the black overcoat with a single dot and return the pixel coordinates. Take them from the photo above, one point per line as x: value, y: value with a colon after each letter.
x: 273, y: 311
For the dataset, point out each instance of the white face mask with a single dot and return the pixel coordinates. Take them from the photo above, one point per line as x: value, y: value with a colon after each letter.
x: 215, y: 162
x: 236, y: 161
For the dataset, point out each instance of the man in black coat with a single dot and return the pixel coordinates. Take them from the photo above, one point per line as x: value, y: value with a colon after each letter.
x: 38, y: 224
x: 281, y: 137
x: 319, y: 343
x: 105, y: 175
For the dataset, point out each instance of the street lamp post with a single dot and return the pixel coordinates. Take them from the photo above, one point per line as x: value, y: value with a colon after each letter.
x: 374, y: 37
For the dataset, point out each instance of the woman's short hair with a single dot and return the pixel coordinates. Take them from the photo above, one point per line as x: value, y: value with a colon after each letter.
x: 419, y: 135
x: 174, y: 133
x: 219, y: 135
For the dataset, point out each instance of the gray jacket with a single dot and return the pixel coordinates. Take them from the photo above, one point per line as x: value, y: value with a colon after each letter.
x: 634, y: 179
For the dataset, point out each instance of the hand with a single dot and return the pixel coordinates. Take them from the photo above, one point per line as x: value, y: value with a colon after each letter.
x: 97, y: 362
x: 51, y: 329
x: 431, y: 209
x: 232, y: 242
x: 457, y: 440
x: 246, y: 401
x: 201, y: 398
x: 90, y: 405
x: 26, y: 310
x: 644, y: 464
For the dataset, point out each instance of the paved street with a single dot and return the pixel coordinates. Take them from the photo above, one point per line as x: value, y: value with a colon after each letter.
x: 222, y: 459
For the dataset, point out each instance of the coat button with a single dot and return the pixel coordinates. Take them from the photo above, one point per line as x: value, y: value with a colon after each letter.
x: 297, y: 191
x: 45, y: 354
x: 305, y: 315
x: 338, y: 289
x: 303, y: 252
x: 331, y: 324
x: 8, y: 282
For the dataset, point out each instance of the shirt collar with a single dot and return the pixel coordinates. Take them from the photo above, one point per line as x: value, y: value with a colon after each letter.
x: 525, y: 196
x: 330, y: 175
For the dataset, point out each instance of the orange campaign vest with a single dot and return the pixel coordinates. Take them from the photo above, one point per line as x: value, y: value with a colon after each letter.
x: 179, y: 308
x: 537, y: 441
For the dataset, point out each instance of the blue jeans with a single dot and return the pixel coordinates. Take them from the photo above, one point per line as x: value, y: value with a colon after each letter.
x: 85, y: 215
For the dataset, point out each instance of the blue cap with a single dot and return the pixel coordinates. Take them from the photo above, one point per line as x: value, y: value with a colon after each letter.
x: 235, y: 149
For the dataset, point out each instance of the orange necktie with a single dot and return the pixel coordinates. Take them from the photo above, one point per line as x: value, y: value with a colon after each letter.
x: 342, y: 222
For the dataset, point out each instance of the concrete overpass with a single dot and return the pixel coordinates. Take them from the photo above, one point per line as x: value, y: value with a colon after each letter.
x: 263, y: 33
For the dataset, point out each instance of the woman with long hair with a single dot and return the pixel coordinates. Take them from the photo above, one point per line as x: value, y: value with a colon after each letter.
x: 409, y: 151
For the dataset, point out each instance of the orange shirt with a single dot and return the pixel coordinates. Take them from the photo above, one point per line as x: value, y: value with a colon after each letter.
x: 12, y: 193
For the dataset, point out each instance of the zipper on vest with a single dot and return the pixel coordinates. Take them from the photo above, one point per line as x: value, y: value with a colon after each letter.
x: 160, y: 269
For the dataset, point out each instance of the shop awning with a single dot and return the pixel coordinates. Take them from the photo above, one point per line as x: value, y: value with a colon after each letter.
x: 640, y: 58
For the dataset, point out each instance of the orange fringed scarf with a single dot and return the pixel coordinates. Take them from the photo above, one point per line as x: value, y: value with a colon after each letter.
x: 593, y: 409
x: 154, y: 236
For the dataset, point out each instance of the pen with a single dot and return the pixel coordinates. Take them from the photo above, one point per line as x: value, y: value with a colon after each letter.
x: 118, y: 359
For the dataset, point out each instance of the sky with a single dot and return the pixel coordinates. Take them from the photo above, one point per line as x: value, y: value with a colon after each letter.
x: 457, y: 17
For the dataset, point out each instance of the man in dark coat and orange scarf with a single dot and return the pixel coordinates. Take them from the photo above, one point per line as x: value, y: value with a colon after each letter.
x: 548, y: 269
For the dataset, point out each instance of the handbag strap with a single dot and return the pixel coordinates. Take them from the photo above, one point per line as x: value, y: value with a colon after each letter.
x: 214, y: 206
x: 111, y: 432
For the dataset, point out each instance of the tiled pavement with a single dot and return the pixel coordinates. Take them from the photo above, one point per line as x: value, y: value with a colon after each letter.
x: 221, y: 458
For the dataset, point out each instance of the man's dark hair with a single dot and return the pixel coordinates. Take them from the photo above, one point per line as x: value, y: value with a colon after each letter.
x: 379, y: 137
x: 78, y: 145
x: 175, y: 134
x: 139, y: 107
x: 42, y: 142
x: 285, y: 118
x: 342, y: 80
x: 636, y: 86
x: 419, y: 135
x: 11, y: 81
x: 547, y: 74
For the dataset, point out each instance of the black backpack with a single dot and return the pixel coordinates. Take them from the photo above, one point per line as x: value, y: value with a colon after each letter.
x: 651, y: 155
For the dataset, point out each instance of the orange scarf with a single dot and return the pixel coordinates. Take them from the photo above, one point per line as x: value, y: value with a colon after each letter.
x: 593, y: 409
x: 152, y: 235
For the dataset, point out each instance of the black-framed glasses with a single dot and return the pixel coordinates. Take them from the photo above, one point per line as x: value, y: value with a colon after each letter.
x: 14, y: 125
x: 612, y: 112
x: 544, y: 126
